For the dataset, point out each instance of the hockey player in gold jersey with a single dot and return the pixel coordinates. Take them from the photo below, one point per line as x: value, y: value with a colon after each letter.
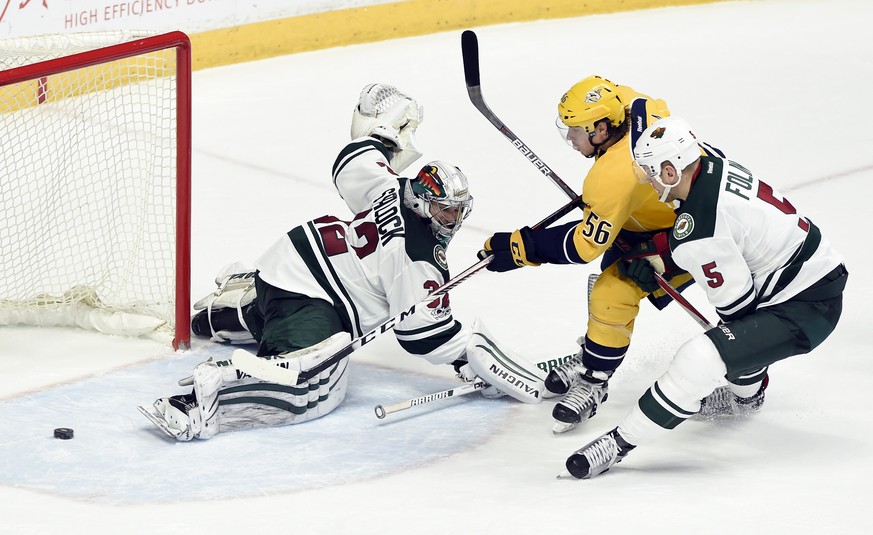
x: 622, y: 218
x: 772, y: 276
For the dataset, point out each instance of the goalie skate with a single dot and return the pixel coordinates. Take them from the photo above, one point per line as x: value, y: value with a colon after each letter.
x: 156, y: 418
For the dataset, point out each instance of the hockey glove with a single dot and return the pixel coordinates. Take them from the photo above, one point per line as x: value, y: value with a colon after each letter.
x: 511, y: 250
x: 385, y: 113
x: 641, y: 271
x: 656, y: 250
x: 466, y: 374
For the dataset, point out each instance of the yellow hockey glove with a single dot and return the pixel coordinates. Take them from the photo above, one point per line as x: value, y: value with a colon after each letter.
x: 511, y: 250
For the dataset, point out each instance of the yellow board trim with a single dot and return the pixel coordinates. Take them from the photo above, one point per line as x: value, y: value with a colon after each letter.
x: 389, y: 21
x: 102, y: 77
x: 340, y: 28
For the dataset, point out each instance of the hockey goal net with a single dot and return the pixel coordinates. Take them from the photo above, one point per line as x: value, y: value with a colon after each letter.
x: 95, y: 170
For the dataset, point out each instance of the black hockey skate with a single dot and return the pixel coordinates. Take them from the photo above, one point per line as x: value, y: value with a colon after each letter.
x: 598, y: 456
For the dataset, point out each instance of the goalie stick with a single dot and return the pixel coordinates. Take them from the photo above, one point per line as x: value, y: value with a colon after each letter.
x: 470, y: 53
x: 469, y: 388
x: 272, y: 370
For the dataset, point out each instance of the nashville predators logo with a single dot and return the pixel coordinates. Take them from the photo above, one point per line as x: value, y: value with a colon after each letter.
x: 658, y: 133
x: 428, y: 180
x: 593, y: 96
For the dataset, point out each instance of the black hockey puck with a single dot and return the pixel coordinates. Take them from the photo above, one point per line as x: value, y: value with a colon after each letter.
x: 64, y: 433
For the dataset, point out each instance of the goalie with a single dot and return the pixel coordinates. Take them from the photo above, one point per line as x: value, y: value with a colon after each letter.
x: 328, y: 281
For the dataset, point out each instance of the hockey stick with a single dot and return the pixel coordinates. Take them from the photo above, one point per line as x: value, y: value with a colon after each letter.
x: 272, y: 370
x: 469, y: 388
x: 470, y: 53
x: 478, y: 384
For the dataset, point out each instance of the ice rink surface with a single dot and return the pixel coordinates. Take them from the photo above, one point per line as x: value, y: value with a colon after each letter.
x: 779, y: 85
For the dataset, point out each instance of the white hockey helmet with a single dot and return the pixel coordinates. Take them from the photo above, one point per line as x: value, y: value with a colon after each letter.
x: 667, y: 140
x: 441, y: 194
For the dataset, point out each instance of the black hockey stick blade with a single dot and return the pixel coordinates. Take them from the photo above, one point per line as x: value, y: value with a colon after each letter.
x: 470, y: 52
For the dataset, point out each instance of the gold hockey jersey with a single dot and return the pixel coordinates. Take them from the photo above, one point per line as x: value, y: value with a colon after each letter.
x: 615, y: 198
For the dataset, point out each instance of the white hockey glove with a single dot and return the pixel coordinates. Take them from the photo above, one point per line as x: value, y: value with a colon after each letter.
x: 506, y: 371
x: 385, y: 113
x: 466, y: 374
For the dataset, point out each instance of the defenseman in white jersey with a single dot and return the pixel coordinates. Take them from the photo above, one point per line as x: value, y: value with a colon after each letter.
x: 329, y: 280
x: 774, y: 280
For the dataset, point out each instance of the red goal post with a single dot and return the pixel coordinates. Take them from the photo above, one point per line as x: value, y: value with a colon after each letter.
x: 95, y: 183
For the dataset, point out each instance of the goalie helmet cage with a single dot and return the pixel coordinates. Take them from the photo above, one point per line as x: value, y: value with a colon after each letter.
x: 95, y: 182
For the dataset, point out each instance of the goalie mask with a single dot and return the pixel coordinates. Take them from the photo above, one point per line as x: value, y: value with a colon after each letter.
x: 667, y: 140
x: 440, y: 194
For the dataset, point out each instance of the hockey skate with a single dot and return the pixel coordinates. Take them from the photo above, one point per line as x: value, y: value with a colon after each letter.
x: 561, y: 378
x: 598, y: 456
x: 188, y: 416
x: 170, y: 415
x: 724, y: 403
x: 580, y: 403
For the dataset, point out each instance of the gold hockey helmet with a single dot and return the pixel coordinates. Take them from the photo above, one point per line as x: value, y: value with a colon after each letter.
x: 593, y: 99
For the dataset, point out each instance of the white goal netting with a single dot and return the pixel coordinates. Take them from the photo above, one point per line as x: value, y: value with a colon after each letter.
x: 88, y: 186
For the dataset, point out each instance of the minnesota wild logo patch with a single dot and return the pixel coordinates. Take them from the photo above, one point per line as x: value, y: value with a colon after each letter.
x: 439, y: 254
x: 683, y: 227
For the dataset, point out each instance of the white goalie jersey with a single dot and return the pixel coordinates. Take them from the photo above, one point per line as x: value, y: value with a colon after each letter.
x: 372, y: 268
x: 744, y: 243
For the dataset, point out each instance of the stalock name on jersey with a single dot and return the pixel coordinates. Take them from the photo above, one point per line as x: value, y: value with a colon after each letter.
x: 386, y: 212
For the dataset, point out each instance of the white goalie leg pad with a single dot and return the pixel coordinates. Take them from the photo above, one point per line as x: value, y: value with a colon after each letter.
x: 309, y: 357
x: 285, y: 368
x: 207, y: 382
x: 508, y: 372
x: 253, y: 403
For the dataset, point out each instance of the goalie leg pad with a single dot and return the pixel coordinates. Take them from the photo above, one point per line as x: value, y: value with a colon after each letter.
x: 251, y: 403
x: 207, y: 382
x: 508, y: 372
x: 227, y: 397
x: 220, y: 313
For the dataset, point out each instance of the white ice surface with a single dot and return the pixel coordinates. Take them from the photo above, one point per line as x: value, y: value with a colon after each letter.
x: 780, y: 85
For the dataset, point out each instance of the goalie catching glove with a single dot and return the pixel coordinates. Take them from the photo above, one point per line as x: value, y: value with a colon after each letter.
x: 385, y: 113
x: 505, y: 372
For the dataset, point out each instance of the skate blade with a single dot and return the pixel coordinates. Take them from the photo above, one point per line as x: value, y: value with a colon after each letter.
x: 566, y: 475
x: 158, y: 420
x: 560, y: 427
